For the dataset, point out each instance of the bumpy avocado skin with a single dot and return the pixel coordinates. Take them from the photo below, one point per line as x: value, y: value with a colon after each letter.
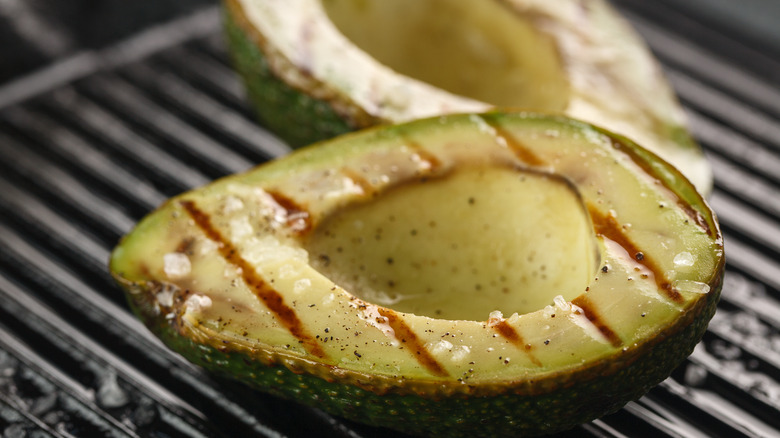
x: 293, y: 115
x: 581, y: 396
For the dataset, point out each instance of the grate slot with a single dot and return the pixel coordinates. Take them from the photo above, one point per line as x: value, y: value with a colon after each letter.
x: 735, y: 147
x: 752, y: 263
x: 675, y: 49
x: 738, y: 216
x: 726, y: 109
x: 663, y: 419
x: 111, y: 131
x: 717, y: 407
x: 744, y: 185
x: 204, y: 110
x: 751, y: 297
x: 15, y: 421
x: 69, y: 146
x: 50, y: 396
x: 207, y: 73
x: 734, y: 379
x: 132, y: 105
x: 53, y: 180
x: 78, y: 245
x: 748, y: 333
x: 108, y: 380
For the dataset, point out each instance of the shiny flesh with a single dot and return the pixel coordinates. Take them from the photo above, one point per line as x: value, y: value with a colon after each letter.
x: 209, y: 299
x: 462, y: 246
x: 482, y: 50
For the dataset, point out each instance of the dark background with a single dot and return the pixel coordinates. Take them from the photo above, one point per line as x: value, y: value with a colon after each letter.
x: 33, y: 33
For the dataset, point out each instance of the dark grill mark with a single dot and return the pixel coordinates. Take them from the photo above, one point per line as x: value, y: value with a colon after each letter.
x: 298, y: 218
x: 522, y: 152
x: 588, y: 310
x: 608, y: 227
x: 410, y: 340
x: 648, y: 169
x: 510, y: 334
x: 268, y: 295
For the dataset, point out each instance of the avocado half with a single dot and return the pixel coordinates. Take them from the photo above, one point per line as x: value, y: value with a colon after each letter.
x: 318, y: 68
x: 499, y: 274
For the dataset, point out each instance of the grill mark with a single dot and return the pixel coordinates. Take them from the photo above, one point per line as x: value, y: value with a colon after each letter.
x: 589, y: 311
x: 268, y: 295
x: 522, y: 152
x: 367, y: 188
x: 649, y: 170
x: 510, y: 334
x: 608, y: 227
x: 425, y: 156
x: 696, y: 216
x: 298, y: 218
x: 405, y: 334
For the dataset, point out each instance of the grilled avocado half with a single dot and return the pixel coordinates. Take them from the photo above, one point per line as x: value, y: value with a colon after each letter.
x: 317, y: 68
x: 498, y: 274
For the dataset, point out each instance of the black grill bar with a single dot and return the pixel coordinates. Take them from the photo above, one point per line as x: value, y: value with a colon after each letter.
x: 111, y: 381
x: 166, y: 126
x: 76, y: 151
x: 204, y: 110
x: 85, y: 63
x: 708, y: 61
x: 96, y: 141
x: 112, y: 132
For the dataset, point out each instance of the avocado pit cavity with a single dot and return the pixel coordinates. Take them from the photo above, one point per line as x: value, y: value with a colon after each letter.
x: 481, y: 50
x: 462, y: 246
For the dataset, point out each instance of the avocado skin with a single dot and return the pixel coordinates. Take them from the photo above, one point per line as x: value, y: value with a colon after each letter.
x: 581, y: 396
x: 293, y: 115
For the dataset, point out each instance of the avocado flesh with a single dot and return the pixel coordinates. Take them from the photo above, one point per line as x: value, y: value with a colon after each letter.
x: 501, y: 59
x: 231, y: 276
x: 318, y: 68
x: 523, y: 238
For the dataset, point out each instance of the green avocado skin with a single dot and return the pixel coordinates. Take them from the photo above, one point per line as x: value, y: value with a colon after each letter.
x: 294, y: 116
x: 577, y: 401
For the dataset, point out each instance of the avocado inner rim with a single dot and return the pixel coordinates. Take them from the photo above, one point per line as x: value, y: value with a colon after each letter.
x: 463, y: 245
x: 477, y: 49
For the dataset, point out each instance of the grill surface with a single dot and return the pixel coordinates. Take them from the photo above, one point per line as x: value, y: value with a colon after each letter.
x: 93, y: 142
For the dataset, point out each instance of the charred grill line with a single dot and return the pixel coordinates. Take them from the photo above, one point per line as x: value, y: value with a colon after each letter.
x: 608, y: 227
x: 589, y: 310
x: 521, y: 152
x: 406, y: 335
x: 269, y: 296
x: 510, y: 334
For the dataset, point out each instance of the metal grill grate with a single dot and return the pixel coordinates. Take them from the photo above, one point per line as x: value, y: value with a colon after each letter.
x: 94, y: 142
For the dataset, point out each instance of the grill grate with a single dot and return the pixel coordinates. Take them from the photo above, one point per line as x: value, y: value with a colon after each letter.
x: 93, y: 143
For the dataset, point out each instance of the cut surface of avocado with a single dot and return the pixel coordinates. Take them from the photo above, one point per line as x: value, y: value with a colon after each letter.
x: 495, y: 273
x: 522, y: 239
x: 348, y: 64
x: 501, y: 57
